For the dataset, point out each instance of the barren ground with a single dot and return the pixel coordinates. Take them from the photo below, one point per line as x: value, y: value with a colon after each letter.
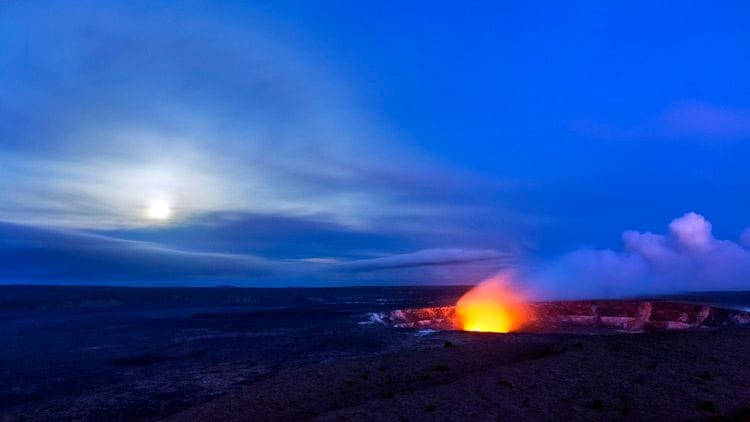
x: 656, y: 376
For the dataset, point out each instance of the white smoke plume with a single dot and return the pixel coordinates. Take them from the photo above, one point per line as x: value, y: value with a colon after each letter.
x: 687, y: 258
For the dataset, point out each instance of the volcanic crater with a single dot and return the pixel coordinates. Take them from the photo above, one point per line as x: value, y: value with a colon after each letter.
x: 583, y: 316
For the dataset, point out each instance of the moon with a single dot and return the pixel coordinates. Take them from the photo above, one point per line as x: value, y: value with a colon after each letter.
x: 159, y: 209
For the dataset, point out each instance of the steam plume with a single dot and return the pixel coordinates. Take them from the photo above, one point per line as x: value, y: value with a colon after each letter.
x: 687, y: 258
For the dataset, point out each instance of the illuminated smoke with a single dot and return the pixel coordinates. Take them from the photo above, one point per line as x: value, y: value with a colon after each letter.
x: 492, y: 306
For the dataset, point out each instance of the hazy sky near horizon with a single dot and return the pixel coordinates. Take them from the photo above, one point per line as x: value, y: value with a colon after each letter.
x: 331, y: 142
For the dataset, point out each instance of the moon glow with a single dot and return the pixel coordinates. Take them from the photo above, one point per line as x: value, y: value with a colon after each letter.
x: 159, y: 209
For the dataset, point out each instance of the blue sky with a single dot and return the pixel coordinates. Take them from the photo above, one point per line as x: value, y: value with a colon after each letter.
x: 319, y: 143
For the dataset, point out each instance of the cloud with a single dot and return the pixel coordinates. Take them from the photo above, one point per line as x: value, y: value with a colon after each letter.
x: 698, y: 119
x: 44, y: 255
x: 29, y: 254
x: 449, y: 266
x: 680, y: 120
x: 427, y: 258
x: 118, y: 105
x: 745, y: 238
x: 688, y: 258
x: 123, y: 103
x: 271, y: 235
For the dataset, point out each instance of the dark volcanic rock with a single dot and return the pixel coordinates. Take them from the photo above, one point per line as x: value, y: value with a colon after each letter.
x: 492, y: 377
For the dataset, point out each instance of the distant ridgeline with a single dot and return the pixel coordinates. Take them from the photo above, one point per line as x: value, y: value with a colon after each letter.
x: 41, y: 297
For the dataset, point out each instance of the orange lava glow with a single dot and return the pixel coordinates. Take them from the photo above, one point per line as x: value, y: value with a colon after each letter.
x: 491, y: 306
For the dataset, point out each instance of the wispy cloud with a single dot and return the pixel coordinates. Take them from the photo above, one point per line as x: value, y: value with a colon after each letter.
x: 680, y: 120
x: 29, y: 254
x: 36, y: 255
x: 117, y: 106
x: 428, y: 258
x: 698, y: 119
